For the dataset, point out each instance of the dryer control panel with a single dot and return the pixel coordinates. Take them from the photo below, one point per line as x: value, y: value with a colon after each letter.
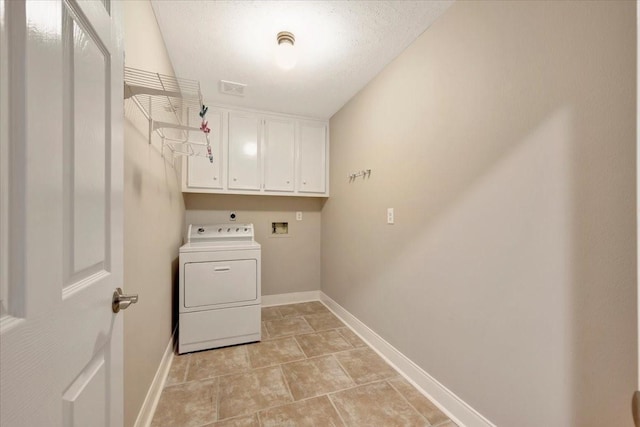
x: 220, y: 233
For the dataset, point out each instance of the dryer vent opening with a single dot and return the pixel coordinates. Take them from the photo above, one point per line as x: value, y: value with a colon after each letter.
x: 279, y: 228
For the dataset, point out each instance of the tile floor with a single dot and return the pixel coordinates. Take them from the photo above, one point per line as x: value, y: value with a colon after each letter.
x: 309, y: 370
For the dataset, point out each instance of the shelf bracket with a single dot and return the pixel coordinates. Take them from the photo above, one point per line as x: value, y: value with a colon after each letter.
x: 161, y: 125
x: 133, y: 90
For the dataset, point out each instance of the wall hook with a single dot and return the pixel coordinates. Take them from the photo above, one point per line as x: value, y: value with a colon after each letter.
x: 365, y: 173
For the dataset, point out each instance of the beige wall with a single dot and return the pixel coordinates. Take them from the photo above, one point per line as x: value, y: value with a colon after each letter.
x: 504, y: 138
x: 154, y: 217
x: 289, y: 264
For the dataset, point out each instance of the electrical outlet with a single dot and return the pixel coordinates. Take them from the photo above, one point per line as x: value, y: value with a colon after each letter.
x: 298, y: 216
x: 389, y: 215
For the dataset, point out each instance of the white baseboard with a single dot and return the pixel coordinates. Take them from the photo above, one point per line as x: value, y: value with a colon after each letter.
x: 155, y: 390
x: 290, y: 298
x: 458, y: 410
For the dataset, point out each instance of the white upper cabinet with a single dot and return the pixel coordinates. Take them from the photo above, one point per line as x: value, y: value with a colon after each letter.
x: 259, y: 153
x: 312, y: 157
x: 244, y: 152
x: 279, y: 154
x: 201, y: 172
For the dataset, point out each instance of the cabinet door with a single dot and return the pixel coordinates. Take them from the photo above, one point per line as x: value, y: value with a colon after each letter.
x: 279, y: 150
x: 244, y: 152
x: 201, y: 172
x: 312, y: 149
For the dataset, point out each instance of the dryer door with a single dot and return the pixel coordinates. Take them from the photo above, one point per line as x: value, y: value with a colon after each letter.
x: 220, y: 282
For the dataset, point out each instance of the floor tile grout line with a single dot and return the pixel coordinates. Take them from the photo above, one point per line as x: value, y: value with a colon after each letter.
x: 191, y: 381
x: 386, y: 380
x: 280, y: 363
x: 325, y: 310
x: 218, y: 393
x: 293, y: 333
x: 308, y: 333
x: 331, y: 352
x: 272, y: 308
x: 228, y: 419
x: 263, y: 323
x: 297, y: 313
x: 326, y: 356
x: 265, y: 408
x: 248, y: 369
x: 269, y: 408
x: 246, y: 355
x: 346, y: 328
x: 186, y: 369
x: 356, y: 385
x: 362, y: 348
x: 300, y: 347
x: 302, y: 353
x: 305, y: 321
x: 277, y: 309
x: 335, y: 408
x: 409, y: 403
x: 336, y: 329
x: 344, y: 369
x: 199, y: 425
x: 309, y: 359
x: 286, y: 383
x: 323, y: 330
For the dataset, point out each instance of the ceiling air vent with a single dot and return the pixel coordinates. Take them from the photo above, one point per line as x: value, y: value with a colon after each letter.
x: 232, y: 88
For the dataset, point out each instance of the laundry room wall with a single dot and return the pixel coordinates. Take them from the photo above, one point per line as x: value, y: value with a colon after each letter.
x: 289, y: 264
x: 504, y: 137
x: 153, y: 221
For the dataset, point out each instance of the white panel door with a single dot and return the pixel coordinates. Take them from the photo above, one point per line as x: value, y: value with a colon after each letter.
x: 244, y: 152
x: 312, y: 152
x: 201, y: 172
x: 61, y: 166
x: 279, y: 154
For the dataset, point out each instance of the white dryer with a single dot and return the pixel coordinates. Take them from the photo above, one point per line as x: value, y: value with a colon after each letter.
x: 219, y: 287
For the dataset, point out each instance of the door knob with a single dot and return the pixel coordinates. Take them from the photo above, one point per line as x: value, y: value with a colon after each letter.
x: 121, y: 301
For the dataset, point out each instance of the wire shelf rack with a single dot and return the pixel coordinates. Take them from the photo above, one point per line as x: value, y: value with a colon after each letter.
x: 172, y: 106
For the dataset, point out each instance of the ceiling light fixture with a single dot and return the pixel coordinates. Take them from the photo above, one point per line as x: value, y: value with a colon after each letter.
x: 286, y: 54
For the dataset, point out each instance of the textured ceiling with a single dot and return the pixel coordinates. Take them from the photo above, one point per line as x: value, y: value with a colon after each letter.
x: 341, y: 46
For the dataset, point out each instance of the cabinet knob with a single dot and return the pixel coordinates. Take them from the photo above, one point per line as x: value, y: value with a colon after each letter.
x: 215, y: 178
x: 304, y: 182
x: 287, y: 182
x: 235, y: 179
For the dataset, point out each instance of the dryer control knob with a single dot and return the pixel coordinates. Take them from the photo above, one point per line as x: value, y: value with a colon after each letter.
x: 228, y: 230
x: 237, y: 229
x: 219, y: 230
